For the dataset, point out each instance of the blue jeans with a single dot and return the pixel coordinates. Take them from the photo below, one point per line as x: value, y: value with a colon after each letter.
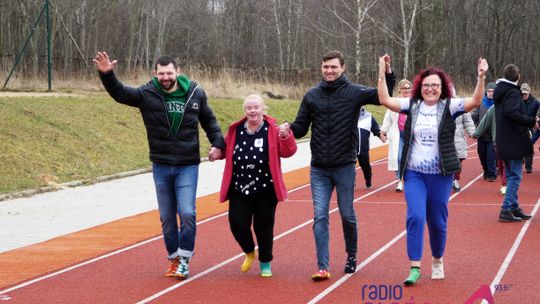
x: 427, y: 202
x: 176, y: 190
x: 513, y: 179
x: 323, y: 182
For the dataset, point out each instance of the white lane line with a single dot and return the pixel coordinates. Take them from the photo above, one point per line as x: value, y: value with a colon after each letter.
x: 59, y: 272
x: 211, y: 269
x: 64, y: 270
x: 512, y: 252
x: 344, y: 278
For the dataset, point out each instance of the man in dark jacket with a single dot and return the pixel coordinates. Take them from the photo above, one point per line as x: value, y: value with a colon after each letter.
x: 331, y: 109
x: 513, y: 142
x: 485, y: 148
x: 172, y: 106
x: 531, y: 107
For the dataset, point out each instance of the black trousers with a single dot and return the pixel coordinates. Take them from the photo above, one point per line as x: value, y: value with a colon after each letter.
x: 363, y: 161
x: 259, y: 210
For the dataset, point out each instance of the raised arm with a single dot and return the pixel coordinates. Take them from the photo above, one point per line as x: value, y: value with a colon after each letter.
x: 391, y: 103
x: 473, y: 102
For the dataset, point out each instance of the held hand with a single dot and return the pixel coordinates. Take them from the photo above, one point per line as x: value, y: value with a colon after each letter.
x: 284, y: 130
x: 383, y: 137
x: 103, y: 63
x: 482, y: 67
x: 214, y: 154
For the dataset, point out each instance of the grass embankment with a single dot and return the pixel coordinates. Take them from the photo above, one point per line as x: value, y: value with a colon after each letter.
x: 48, y: 140
x: 54, y: 140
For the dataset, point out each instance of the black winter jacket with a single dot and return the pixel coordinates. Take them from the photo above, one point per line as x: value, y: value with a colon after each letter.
x: 331, y: 109
x: 511, y: 122
x: 182, y: 149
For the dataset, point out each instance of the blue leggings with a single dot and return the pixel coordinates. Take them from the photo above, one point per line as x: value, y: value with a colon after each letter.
x: 427, y: 201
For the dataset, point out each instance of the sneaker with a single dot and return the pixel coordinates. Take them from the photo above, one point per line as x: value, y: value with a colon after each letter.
x: 368, y: 185
x: 413, y: 277
x: 518, y: 212
x: 507, y: 216
x: 266, y: 270
x: 350, y: 265
x: 399, y: 186
x: 455, y: 186
x: 248, y: 261
x: 491, y: 179
x: 528, y: 171
x: 183, y: 268
x: 503, y: 190
x: 437, y: 270
x: 173, y: 266
x: 321, y: 275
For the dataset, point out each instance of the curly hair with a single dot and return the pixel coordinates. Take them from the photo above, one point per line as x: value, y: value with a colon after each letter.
x: 446, y: 82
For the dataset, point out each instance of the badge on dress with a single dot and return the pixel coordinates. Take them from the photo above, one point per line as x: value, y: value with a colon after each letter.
x: 258, y: 142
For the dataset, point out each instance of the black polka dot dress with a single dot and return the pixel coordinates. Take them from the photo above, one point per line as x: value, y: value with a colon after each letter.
x: 251, y: 170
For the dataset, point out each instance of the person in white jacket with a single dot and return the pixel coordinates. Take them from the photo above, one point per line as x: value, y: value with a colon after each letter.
x: 464, y: 125
x: 392, y: 128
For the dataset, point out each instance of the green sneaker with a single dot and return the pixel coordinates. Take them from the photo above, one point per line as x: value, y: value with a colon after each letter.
x: 414, y: 275
x: 266, y: 270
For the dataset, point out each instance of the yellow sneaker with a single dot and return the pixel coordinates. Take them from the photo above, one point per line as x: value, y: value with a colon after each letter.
x: 248, y: 261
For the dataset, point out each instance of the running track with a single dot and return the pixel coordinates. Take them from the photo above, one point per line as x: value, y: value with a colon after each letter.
x: 123, y: 261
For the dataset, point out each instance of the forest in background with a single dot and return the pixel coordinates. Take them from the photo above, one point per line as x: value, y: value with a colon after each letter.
x: 277, y: 39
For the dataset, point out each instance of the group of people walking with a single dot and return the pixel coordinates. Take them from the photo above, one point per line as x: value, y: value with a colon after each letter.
x: 173, y: 106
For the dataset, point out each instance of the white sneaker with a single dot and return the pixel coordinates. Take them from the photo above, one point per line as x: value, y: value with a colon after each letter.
x: 399, y: 186
x: 503, y: 190
x: 437, y: 270
x: 455, y: 186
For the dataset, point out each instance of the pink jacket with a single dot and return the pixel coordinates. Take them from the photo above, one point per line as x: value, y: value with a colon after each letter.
x: 277, y: 147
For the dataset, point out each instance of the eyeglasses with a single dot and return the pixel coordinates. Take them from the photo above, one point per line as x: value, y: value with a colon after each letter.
x: 434, y: 86
x: 405, y: 88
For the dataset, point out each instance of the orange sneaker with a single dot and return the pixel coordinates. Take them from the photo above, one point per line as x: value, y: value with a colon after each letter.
x: 321, y: 275
x: 173, y: 266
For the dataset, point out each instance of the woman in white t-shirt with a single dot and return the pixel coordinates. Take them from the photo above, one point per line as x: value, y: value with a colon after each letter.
x: 429, y: 158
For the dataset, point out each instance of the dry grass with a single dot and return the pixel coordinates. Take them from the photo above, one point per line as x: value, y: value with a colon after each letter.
x: 224, y: 83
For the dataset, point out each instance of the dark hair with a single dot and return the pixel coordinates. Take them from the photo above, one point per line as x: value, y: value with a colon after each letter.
x: 446, y: 83
x: 511, y: 72
x: 166, y: 60
x: 334, y: 54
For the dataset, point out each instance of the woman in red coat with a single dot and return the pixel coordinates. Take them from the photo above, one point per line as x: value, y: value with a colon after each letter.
x: 253, y: 181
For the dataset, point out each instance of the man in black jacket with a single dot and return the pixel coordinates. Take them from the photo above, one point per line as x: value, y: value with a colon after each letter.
x: 513, y: 142
x: 172, y: 106
x: 331, y: 109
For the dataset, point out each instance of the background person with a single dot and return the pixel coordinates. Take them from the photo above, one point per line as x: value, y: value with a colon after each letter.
x: 393, y: 127
x: 532, y: 106
x: 366, y: 125
x: 252, y: 180
x: 488, y: 122
x: 464, y: 126
x: 513, y: 139
x: 486, y: 151
x: 172, y: 106
x: 429, y: 158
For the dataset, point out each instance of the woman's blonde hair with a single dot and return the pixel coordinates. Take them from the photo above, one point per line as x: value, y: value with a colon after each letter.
x: 255, y: 97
